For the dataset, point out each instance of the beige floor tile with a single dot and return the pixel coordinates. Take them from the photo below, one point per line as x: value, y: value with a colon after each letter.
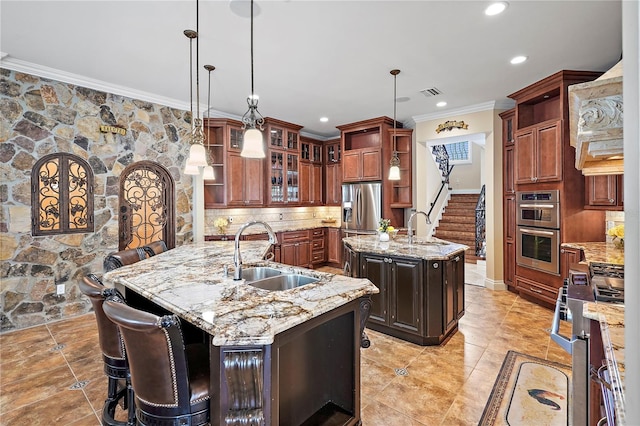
x: 380, y: 414
x: 36, y: 388
x: 63, y: 407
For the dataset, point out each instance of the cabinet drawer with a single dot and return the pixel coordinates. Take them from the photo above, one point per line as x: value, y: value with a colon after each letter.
x: 294, y: 236
x: 318, y: 256
x: 317, y: 233
x: 538, y: 290
x: 317, y: 244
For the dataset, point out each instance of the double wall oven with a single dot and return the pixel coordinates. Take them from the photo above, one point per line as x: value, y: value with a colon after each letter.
x: 538, y: 230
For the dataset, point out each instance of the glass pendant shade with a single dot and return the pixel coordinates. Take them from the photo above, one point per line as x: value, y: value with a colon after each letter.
x: 394, y: 173
x: 190, y: 169
x: 208, y: 173
x: 253, y: 146
x: 197, y: 155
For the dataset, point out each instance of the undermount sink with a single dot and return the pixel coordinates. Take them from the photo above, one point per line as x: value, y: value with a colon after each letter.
x: 259, y: 273
x: 283, y: 282
x: 429, y: 243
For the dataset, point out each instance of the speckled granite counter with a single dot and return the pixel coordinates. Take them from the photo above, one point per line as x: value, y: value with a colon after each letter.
x: 599, y: 252
x: 190, y: 281
x: 611, y: 318
x: 431, y: 249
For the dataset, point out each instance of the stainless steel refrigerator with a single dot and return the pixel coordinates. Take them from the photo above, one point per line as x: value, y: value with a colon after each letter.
x: 361, y: 207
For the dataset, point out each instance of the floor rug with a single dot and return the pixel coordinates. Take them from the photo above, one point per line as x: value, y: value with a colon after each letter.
x: 528, y: 391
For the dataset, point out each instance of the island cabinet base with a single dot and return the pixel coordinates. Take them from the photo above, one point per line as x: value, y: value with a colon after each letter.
x: 310, y: 375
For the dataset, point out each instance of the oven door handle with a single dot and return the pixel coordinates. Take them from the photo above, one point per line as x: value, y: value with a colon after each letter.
x: 537, y: 206
x: 564, y: 342
x: 536, y: 232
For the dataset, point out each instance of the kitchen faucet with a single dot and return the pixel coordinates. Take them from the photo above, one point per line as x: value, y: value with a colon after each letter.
x: 410, y: 228
x: 237, y: 257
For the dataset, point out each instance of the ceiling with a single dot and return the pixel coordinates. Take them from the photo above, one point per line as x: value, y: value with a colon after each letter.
x: 312, y: 58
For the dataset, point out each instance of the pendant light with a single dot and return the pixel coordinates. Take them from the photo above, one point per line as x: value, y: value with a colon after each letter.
x: 394, y: 170
x: 208, y: 172
x: 252, y: 120
x: 197, y: 152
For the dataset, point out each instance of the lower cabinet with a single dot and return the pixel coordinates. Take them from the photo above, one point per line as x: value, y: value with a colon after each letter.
x: 318, y: 247
x: 334, y: 246
x: 419, y: 301
x: 294, y: 248
x: 568, y: 255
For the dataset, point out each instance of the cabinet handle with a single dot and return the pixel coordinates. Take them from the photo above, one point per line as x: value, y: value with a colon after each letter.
x: 535, y: 290
x: 457, y: 259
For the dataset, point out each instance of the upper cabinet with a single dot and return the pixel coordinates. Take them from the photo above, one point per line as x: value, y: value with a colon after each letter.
x: 367, y: 148
x: 310, y: 171
x: 541, y: 132
x: 283, y: 167
x: 333, y: 173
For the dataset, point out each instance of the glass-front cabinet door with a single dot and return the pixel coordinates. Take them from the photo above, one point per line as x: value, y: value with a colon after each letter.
x: 293, y: 184
x: 276, y: 137
x: 277, y: 177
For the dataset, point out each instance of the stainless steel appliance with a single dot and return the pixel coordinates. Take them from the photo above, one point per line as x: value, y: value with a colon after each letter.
x: 586, y: 286
x: 361, y: 207
x: 538, y: 230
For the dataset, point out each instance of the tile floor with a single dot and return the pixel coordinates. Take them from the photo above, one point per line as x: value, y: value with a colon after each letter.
x: 52, y: 374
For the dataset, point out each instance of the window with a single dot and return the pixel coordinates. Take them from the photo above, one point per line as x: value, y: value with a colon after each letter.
x: 61, y: 195
x: 146, y: 206
x: 459, y: 152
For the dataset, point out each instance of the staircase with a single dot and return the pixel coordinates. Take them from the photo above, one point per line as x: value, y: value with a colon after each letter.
x: 458, y: 223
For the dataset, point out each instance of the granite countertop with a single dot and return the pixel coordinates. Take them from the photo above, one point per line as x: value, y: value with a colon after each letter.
x: 190, y: 282
x: 430, y: 249
x: 611, y: 318
x: 599, y: 252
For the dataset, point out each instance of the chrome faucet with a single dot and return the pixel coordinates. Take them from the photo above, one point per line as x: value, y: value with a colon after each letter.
x: 410, y: 228
x: 237, y: 257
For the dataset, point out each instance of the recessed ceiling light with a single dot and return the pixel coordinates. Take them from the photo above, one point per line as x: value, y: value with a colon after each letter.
x: 441, y: 104
x: 496, y: 8
x: 324, y: 119
x: 518, y: 60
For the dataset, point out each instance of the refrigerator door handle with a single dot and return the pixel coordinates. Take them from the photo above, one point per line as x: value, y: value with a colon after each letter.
x: 359, y: 203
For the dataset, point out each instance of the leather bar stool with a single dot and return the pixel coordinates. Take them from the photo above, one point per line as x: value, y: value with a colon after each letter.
x: 170, y: 380
x: 155, y: 247
x: 123, y: 257
x: 113, y: 354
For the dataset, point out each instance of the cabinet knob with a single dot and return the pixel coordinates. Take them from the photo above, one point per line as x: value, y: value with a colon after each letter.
x: 457, y: 259
x: 435, y: 266
x: 561, y: 250
x: 611, y: 200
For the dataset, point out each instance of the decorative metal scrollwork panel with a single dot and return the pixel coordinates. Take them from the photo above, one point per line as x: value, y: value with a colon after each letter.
x: 78, y: 195
x: 146, y: 206
x: 49, y: 195
x: 62, y: 195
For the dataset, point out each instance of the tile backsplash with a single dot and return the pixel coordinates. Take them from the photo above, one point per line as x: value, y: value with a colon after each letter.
x: 279, y: 218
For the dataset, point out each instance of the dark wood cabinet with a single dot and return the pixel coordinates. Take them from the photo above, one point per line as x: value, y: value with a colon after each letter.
x: 238, y: 181
x: 310, y: 171
x: 283, y: 155
x: 509, y: 197
x: 604, y: 192
x: 294, y: 248
x: 334, y: 246
x: 420, y: 300
x: 568, y: 255
x: 333, y: 173
x: 538, y: 153
x: 318, y: 247
x: 367, y: 148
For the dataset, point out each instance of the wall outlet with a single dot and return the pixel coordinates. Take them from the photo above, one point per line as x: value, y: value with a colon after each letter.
x: 230, y: 219
x: 281, y: 216
x: 59, y: 289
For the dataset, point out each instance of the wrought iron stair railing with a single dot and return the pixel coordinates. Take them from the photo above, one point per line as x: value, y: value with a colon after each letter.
x: 480, y: 225
x: 441, y: 157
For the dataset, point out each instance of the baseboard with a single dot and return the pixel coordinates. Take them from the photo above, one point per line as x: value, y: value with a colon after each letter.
x: 497, y: 285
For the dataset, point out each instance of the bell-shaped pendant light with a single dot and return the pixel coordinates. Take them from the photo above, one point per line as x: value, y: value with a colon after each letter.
x: 252, y: 120
x: 190, y: 169
x: 394, y: 169
x: 197, y: 151
x: 208, y: 173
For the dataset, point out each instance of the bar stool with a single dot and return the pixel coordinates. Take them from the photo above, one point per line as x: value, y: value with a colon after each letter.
x: 113, y: 354
x: 155, y: 247
x: 170, y: 380
x: 123, y: 257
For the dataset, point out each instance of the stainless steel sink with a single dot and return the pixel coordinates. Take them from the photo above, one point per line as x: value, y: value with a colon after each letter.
x: 283, y: 282
x: 259, y: 273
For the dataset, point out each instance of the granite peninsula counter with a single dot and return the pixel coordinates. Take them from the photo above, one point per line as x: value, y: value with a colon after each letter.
x: 421, y: 285
x: 305, y: 339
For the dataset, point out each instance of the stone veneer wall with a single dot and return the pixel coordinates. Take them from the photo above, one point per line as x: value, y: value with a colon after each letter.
x: 39, y: 117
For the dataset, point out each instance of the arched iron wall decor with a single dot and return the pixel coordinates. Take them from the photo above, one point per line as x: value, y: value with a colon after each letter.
x: 147, y: 207
x: 61, y: 195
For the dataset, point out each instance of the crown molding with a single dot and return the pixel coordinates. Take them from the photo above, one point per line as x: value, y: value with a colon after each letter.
x: 485, y: 106
x: 54, y: 74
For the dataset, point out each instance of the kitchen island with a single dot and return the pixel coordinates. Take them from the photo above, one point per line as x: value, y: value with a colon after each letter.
x: 297, y: 350
x: 421, y: 285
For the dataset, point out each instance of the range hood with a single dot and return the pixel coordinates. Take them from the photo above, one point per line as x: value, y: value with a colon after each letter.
x: 595, y: 124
